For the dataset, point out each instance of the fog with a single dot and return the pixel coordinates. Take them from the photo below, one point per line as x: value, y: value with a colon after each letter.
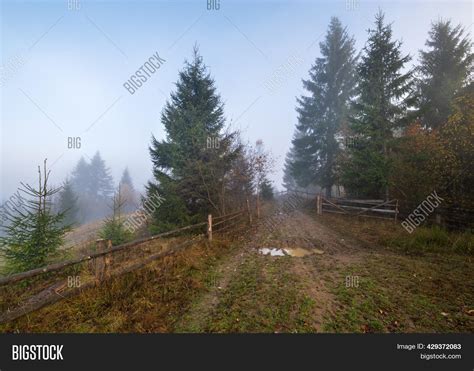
x: 64, y: 70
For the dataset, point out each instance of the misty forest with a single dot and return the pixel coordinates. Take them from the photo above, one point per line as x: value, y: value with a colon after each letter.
x: 376, y: 199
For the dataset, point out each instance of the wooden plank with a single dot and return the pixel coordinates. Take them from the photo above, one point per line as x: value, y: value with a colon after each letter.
x: 357, y: 201
x: 336, y: 212
x: 226, y: 220
x: 378, y: 210
x: 336, y: 206
x: 59, y: 266
x: 229, y: 226
x: 53, y: 296
x: 230, y: 214
x: 365, y: 209
x: 361, y: 215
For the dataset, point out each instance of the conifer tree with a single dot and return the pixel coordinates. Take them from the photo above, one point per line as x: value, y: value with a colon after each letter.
x: 93, y: 185
x: 445, y: 68
x: 190, y: 165
x: 266, y: 190
x: 380, y: 110
x: 289, y: 181
x: 128, y: 191
x: 33, y: 232
x: 126, y: 179
x: 80, y: 177
x: 114, y: 226
x: 322, y: 114
x: 100, y: 182
x: 68, y: 203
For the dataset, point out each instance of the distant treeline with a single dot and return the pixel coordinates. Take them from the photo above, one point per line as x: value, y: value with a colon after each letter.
x: 87, y: 194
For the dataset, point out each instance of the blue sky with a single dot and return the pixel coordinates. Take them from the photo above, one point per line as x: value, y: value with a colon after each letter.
x: 64, y: 70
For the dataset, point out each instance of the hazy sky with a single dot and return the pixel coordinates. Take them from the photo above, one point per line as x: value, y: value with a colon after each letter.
x: 64, y: 71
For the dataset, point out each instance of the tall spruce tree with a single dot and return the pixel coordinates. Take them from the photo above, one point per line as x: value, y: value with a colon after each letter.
x: 289, y: 181
x: 100, y: 183
x: 93, y: 185
x: 126, y: 179
x: 80, y: 177
x: 322, y: 114
x: 128, y: 192
x: 266, y: 190
x: 445, y: 68
x: 379, y: 111
x: 189, y: 167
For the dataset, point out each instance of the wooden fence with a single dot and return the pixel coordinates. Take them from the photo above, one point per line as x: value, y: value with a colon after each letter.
x: 102, y: 265
x: 367, y: 208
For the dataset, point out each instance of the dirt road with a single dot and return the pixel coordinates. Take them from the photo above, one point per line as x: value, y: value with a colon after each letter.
x: 278, y: 280
x: 332, y: 283
x: 300, y: 273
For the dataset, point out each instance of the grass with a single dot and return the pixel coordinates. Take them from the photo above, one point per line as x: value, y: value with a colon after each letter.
x: 406, y: 294
x: 423, y: 282
x: 151, y: 299
x: 419, y: 282
x: 372, y: 233
x: 433, y: 239
x: 263, y: 296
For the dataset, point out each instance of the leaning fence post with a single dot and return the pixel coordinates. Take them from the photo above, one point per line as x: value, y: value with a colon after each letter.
x: 209, y: 227
x: 249, y: 212
x: 100, y: 261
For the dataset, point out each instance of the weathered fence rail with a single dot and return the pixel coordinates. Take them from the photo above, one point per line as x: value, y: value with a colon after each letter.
x: 58, y: 290
x: 62, y: 265
x: 447, y: 215
x: 366, y: 208
x: 53, y: 294
x: 356, y: 207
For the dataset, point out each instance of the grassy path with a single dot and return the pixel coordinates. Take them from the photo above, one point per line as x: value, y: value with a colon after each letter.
x: 353, y: 279
x: 356, y: 285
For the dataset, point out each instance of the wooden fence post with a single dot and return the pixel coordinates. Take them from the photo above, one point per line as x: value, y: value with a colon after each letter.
x: 209, y: 227
x: 100, y: 261
x: 249, y: 211
x: 319, y: 208
x: 396, y: 212
x: 107, y: 260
